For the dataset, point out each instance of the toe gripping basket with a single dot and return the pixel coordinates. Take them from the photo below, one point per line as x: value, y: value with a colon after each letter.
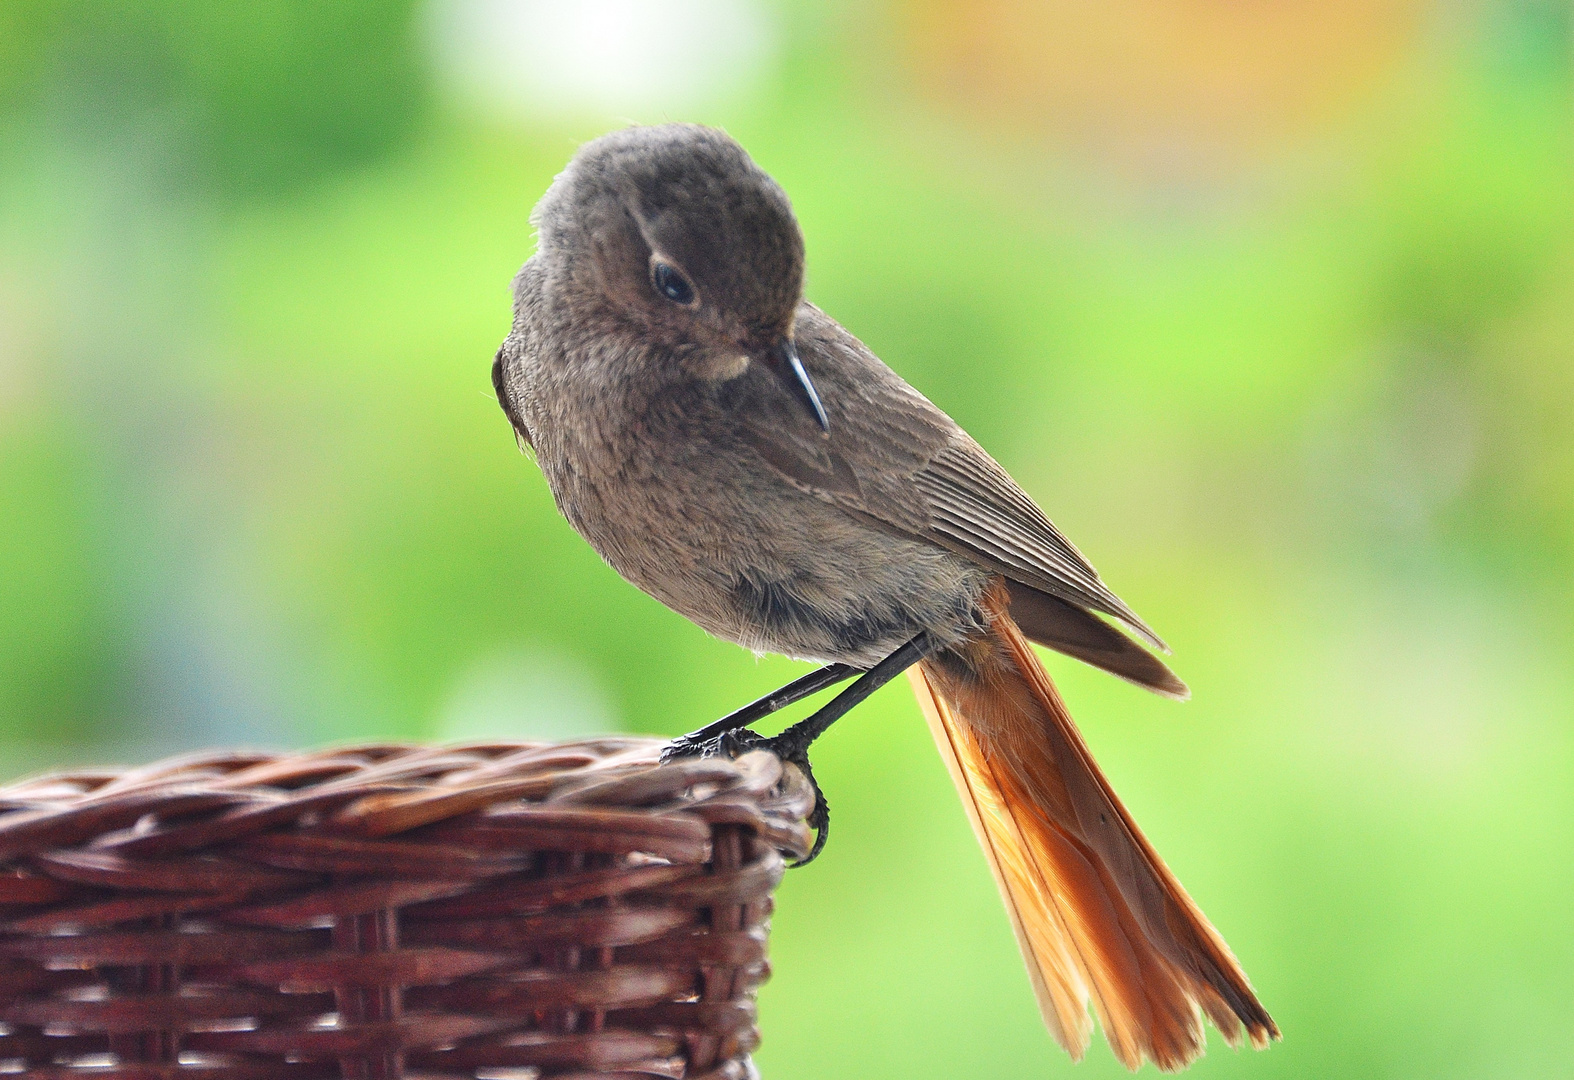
x: 501, y: 911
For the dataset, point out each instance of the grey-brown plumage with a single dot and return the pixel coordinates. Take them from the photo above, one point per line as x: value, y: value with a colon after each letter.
x: 731, y: 450
x: 702, y: 479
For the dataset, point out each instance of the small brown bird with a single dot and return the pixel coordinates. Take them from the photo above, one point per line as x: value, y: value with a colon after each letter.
x: 731, y: 450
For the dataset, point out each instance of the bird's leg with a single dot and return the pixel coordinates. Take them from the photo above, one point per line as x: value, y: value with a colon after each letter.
x: 708, y: 740
x: 793, y: 744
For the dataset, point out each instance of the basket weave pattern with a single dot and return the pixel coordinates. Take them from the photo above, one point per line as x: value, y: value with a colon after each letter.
x: 498, y: 911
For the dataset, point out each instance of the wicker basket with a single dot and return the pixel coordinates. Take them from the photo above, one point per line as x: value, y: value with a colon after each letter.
x: 497, y: 911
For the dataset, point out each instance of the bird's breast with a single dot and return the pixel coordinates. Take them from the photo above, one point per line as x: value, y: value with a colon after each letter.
x: 711, y: 531
x: 659, y: 481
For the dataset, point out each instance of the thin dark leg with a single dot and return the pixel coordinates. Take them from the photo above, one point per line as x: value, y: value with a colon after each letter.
x: 797, y: 739
x: 812, y: 683
x: 793, y: 744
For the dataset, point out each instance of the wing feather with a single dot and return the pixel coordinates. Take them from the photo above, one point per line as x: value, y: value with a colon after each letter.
x: 894, y: 458
x: 971, y: 497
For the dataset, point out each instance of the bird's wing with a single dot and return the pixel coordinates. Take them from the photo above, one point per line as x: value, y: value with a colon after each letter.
x: 892, y: 456
x: 506, y: 400
x: 976, y: 509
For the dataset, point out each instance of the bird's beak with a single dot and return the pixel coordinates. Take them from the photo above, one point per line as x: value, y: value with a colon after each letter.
x: 782, y: 359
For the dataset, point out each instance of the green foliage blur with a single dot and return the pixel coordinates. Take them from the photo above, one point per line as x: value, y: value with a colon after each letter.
x: 1273, y: 310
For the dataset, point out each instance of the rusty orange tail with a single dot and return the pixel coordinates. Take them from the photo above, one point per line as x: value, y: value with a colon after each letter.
x: 1096, y: 912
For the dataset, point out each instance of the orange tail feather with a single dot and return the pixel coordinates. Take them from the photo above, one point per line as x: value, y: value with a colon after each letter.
x: 1095, y: 910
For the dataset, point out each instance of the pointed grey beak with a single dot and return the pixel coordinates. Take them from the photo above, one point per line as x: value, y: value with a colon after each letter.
x: 782, y: 359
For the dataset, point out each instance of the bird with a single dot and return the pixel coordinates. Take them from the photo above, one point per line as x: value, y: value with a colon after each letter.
x: 730, y: 449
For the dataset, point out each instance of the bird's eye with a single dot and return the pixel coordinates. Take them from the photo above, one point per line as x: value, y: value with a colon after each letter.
x: 671, y: 284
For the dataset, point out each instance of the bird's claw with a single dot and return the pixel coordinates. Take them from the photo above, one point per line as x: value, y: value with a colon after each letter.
x: 728, y: 744
x: 819, y: 818
x: 738, y: 741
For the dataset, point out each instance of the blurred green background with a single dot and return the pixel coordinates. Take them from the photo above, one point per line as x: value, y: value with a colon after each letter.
x: 1270, y: 305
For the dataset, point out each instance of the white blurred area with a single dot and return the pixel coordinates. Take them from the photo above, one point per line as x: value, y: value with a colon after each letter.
x: 530, y: 60
x: 525, y: 693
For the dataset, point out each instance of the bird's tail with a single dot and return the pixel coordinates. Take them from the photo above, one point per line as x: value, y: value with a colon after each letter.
x: 1095, y: 910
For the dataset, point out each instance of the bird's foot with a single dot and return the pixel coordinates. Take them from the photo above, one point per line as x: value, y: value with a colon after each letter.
x: 788, y: 746
x: 700, y: 744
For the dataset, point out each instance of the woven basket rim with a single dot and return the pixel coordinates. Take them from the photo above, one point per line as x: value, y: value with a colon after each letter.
x: 574, y: 907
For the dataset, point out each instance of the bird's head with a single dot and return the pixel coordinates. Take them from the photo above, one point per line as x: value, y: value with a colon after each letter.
x: 676, y: 231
